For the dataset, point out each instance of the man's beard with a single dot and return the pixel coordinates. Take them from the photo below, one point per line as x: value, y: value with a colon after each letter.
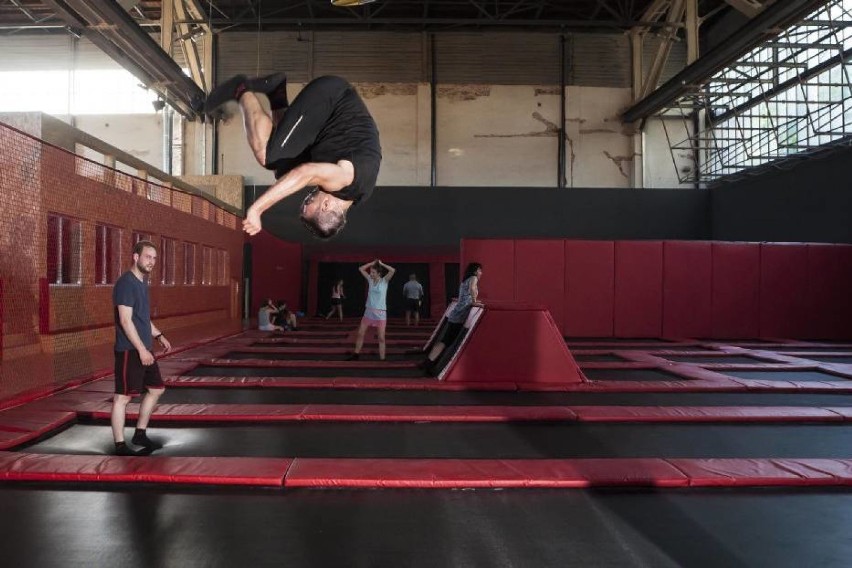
x: 142, y: 268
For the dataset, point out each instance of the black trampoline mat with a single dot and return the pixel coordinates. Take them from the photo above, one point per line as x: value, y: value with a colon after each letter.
x: 599, y: 359
x: 784, y: 375
x: 475, y: 441
x: 296, y: 356
x: 264, y: 395
x: 631, y: 375
x: 835, y: 360
x: 63, y: 525
x: 721, y: 360
x: 330, y: 372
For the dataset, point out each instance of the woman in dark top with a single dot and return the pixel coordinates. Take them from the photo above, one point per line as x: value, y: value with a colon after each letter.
x: 468, y: 297
x: 337, y: 297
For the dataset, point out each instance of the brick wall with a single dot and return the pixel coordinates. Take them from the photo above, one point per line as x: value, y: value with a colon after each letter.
x: 54, y: 332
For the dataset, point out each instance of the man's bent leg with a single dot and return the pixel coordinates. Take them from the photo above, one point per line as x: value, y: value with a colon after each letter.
x: 119, y: 409
x: 258, y: 125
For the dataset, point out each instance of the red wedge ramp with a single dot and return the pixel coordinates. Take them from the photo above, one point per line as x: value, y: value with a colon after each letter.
x: 513, y: 342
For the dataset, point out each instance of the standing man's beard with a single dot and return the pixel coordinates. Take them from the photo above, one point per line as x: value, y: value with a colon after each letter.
x: 142, y: 268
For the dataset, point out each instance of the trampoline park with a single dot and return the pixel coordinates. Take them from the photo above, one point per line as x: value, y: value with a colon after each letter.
x: 657, y: 373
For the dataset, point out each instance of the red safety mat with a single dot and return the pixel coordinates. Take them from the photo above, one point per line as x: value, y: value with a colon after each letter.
x: 739, y: 472
x: 151, y: 469
x: 444, y: 473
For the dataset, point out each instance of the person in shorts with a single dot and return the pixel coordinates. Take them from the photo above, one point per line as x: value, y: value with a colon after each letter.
x: 376, y: 311
x: 413, y: 293
x: 135, y: 366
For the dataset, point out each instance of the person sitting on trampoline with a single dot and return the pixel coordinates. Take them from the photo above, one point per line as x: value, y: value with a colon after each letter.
x: 326, y: 140
x: 265, y: 315
x: 337, y: 297
x: 468, y: 294
x: 376, y: 311
x: 284, y: 317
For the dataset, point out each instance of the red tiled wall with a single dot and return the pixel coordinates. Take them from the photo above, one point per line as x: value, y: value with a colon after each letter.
x: 276, y: 268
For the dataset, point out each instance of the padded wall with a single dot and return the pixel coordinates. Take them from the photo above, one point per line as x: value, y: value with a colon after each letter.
x: 783, y: 290
x: 589, y: 288
x: 736, y: 290
x: 687, y: 289
x: 540, y: 275
x: 638, y: 289
x: 829, y: 300
x: 498, y: 267
x: 276, y: 267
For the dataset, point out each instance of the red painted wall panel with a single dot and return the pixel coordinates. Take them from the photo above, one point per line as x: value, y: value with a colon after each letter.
x: 829, y: 301
x: 498, y: 267
x: 638, y: 288
x: 276, y: 271
x: 687, y: 289
x: 783, y: 290
x: 736, y: 290
x: 540, y: 275
x: 589, y: 288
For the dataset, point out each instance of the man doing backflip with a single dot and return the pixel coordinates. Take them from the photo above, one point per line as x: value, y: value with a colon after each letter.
x: 326, y: 140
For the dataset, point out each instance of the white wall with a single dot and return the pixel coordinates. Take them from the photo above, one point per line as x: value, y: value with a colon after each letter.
x: 661, y: 165
x: 140, y: 135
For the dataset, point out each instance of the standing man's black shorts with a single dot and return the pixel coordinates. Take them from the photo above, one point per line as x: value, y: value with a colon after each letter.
x: 131, y: 375
x: 412, y: 305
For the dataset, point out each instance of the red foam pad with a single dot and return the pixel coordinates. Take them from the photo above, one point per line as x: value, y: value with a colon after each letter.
x: 741, y: 472
x: 736, y: 290
x: 783, y: 290
x: 829, y: 301
x: 687, y: 289
x: 23, y: 419
x: 638, y: 289
x: 378, y: 413
x: 521, y: 345
x: 540, y: 275
x: 151, y: 469
x: 447, y: 473
x: 589, y: 288
x: 704, y: 414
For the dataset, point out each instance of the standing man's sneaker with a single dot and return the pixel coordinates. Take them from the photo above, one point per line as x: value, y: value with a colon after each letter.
x: 230, y: 90
x: 140, y: 438
x: 122, y: 449
x: 274, y: 87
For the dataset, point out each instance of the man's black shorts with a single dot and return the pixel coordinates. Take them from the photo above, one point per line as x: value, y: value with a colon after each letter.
x: 412, y: 305
x: 131, y: 375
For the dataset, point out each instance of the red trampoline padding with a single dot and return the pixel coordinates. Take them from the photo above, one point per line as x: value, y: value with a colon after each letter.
x: 22, y: 419
x: 386, y: 413
x: 449, y: 473
x: 514, y: 343
x: 704, y: 414
x: 741, y: 472
x: 151, y: 469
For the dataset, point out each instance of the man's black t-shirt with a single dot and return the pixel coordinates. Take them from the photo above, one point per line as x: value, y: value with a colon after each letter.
x: 348, y: 133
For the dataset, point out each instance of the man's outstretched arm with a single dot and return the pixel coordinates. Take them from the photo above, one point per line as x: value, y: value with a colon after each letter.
x: 330, y: 177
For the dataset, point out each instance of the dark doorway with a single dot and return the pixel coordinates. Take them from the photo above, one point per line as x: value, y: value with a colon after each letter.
x: 452, y: 279
x: 355, y: 287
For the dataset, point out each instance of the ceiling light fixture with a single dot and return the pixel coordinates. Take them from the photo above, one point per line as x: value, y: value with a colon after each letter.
x: 350, y: 3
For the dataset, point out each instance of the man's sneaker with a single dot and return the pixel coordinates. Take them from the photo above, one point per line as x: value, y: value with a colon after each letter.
x: 125, y: 450
x: 230, y: 90
x: 274, y: 87
x: 146, y: 442
x: 352, y: 357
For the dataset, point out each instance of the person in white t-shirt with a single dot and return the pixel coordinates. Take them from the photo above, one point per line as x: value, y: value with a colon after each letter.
x: 376, y: 311
x: 413, y: 292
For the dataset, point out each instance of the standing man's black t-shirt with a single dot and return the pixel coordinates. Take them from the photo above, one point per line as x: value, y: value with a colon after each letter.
x: 131, y: 292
